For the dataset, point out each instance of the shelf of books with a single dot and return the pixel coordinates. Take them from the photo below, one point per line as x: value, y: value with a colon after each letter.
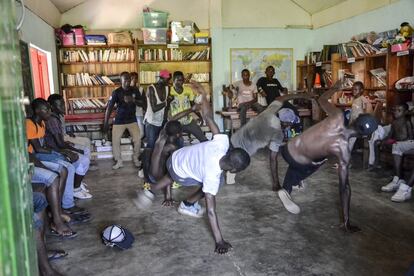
x: 355, y: 61
x: 194, y: 60
x: 88, y: 75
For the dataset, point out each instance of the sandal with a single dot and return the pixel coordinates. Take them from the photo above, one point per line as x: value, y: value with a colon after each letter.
x: 72, y: 234
x: 75, y: 219
x: 75, y: 210
x: 53, y: 255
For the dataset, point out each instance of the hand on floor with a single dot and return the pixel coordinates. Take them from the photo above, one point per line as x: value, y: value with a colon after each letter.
x: 222, y: 247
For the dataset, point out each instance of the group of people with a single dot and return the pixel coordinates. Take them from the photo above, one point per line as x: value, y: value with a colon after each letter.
x: 163, y: 113
x: 203, y: 164
x: 61, y: 160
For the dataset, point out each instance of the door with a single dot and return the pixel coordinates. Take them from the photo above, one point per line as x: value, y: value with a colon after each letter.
x: 17, y: 247
x: 40, y: 73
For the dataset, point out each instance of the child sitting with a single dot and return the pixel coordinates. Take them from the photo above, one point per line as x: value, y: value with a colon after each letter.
x: 360, y: 105
x: 402, y: 140
x: 246, y: 93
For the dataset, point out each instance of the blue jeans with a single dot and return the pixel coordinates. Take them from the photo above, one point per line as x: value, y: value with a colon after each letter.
x: 151, y: 133
x: 55, y: 165
x: 53, y: 156
x: 39, y: 204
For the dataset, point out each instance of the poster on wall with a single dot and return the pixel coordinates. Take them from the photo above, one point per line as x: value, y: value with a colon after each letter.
x: 257, y: 59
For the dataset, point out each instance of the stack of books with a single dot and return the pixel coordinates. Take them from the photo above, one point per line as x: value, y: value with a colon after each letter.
x: 99, y: 55
x: 84, y: 79
x: 327, y: 78
x: 88, y: 103
x: 327, y: 51
x: 356, y: 49
x: 200, y: 77
x: 379, y: 77
x: 148, y: 77
x: 172, y: 55
x: 347, y: 77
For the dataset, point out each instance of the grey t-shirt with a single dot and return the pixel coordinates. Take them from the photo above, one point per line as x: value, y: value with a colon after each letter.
x: 261, y: 131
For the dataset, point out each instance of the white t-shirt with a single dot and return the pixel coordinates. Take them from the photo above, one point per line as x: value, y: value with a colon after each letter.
x: 201, y: 162
x: 245, y: 93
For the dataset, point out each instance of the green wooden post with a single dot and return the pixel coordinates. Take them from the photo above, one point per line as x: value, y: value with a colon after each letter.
x: 17, y: 247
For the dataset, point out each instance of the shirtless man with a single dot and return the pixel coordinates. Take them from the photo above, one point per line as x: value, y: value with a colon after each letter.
x: 308, y: 151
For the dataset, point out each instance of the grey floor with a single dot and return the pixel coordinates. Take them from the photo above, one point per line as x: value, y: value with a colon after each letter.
x: 267, y: 240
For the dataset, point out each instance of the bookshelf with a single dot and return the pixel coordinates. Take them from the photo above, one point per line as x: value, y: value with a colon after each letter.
x: 88, y: 75
x: 395, y: 66
x: 192, y: 59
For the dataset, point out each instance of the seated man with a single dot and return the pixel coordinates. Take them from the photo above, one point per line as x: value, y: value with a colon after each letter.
x: 307, y: 152
x: 201, y: 164
x: 55, y: 140
x: 246, y: 92
x: 35, y: 130
x: 54, y: 190
x: 39, y: 206
x: 402, y: 140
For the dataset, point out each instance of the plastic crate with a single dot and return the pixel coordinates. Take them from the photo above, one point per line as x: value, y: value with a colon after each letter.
x: 155, y: 19
x: 155, y: 35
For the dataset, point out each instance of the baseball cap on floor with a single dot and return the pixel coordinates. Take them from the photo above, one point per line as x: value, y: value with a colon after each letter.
x: 116, y: 235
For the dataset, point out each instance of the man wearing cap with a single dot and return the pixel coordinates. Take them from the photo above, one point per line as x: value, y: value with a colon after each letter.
x: 126, y: 100
x: 157, y: 96
x: 307, y: 152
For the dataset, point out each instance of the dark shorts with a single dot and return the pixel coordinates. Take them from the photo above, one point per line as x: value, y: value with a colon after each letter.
x: 183, y: 181
x: 297, y: 172
x: 39, y: 204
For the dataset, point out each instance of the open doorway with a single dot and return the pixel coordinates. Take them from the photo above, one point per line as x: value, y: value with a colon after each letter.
x: 42, y: 77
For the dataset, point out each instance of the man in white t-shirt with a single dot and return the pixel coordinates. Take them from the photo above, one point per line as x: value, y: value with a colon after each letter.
x: 202, y: 164
x: 246, y: 93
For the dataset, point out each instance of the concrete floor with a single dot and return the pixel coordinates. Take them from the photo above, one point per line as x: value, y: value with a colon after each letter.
x: 267, y: 240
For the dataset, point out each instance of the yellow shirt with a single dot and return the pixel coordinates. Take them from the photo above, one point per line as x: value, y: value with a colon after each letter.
x: 182, y: 102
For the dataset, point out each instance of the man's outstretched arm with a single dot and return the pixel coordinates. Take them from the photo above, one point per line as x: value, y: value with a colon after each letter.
x: 344, y: 157
x: 206, y: 110
x: 222, y: 247
x: 323, y: 100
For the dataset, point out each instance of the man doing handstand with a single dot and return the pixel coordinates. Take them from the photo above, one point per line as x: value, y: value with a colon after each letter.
x: 201, y: 164
x: 308, y: 151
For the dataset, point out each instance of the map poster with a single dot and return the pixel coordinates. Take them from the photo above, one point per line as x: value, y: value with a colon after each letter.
x: 257, y: 59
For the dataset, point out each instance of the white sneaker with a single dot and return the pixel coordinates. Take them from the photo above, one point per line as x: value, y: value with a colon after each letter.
x: 144, y: 199
x: 194, y: 210
x: 141, y: 173
x: 403, y: 193
x: 118, y: 165
x: 84, y: 187
x: 80, y: 194
x: 392, y: 186
x: 288, y: 202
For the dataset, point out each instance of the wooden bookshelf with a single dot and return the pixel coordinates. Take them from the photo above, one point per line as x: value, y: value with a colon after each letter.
x: 396, y: 67
x: 80, y: 118
x: 195, y: 66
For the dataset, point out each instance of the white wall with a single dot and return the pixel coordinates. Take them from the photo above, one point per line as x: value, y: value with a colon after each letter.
x: 39, y: 33
x: 263, y: 14
x: 382, y: 19
x: 127, y: 14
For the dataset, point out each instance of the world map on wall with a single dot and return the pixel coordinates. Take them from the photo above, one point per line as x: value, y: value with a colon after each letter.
x: 256, y: 61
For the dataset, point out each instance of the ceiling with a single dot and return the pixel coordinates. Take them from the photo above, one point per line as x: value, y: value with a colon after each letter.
x: 310, y: 6
x: 65, y: 5
x: 314, y: 6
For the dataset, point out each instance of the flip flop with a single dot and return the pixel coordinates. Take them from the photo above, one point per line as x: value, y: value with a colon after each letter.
x: 75, y: 210
x: 53, y: 255
x: 76, y: 219
x: 54, y: 233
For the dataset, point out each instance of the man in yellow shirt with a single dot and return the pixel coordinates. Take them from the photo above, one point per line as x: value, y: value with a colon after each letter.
x: 182, y: 98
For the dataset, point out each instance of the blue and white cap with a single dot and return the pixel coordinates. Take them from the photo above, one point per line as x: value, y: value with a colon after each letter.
x: 116, y: 235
